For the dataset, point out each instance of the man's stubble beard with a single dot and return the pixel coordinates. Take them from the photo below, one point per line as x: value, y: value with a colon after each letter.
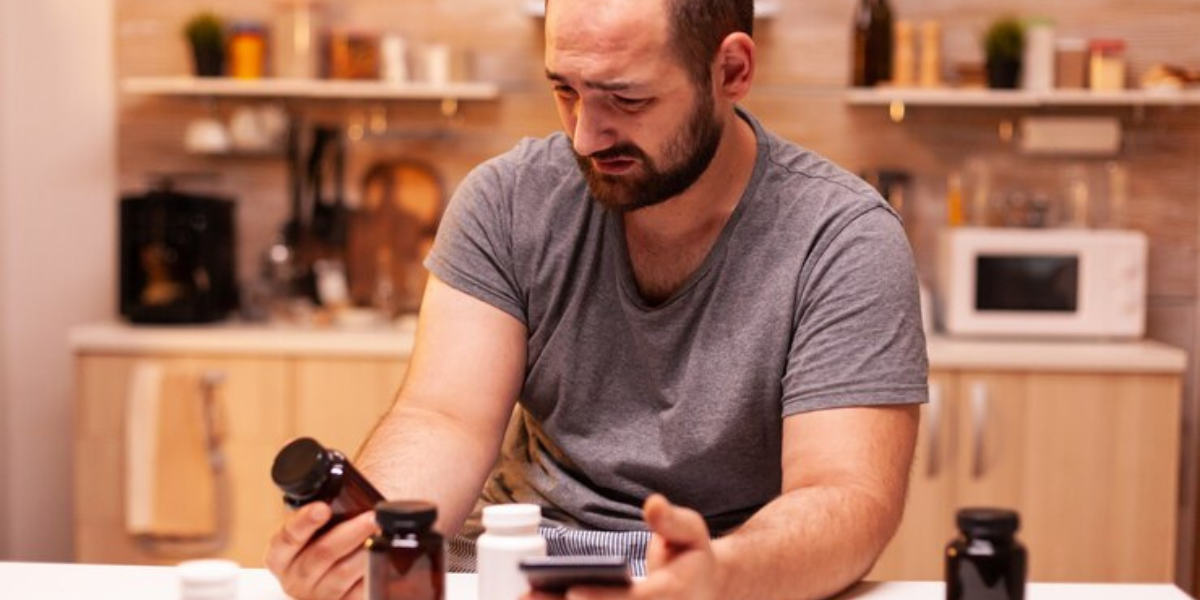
x: 687, y: 155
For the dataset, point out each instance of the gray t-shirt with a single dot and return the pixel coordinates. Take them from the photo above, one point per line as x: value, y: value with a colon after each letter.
x: 808, y: 300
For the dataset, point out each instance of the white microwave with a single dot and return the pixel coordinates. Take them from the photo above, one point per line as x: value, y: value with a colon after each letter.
x: 1055, y: 283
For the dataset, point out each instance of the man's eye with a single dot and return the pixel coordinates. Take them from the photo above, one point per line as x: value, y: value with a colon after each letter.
x: 631, y: 103
x: 563, y: 91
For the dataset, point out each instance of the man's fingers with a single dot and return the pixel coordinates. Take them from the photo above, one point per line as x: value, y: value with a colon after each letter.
x: 676, y: 525
x: 320, y: 556
x: 341, y: 579
x: 601, y: 593
x: 358, y: 592
x: 294, y: 535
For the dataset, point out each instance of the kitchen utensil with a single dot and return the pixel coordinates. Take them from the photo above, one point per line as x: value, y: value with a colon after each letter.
x: 327, y: 173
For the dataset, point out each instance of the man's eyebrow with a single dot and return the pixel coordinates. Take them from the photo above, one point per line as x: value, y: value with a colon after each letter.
x: 604, y: 86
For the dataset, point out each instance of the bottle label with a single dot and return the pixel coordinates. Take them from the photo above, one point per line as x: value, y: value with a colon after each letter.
x: 981, y: 548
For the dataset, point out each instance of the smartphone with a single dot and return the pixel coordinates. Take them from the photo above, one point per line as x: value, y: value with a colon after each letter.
x: 555, y: 574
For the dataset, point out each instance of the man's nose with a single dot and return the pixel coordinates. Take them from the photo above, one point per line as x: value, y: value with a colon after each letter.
x: 591, y: 132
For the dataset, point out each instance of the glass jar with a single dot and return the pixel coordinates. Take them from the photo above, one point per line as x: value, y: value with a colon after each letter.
x: 986, y: 560
x: 295, y: 43
x: 247, y: 50
x: 308, y: 472
x: 406, y: 560
x: 1106, y: 65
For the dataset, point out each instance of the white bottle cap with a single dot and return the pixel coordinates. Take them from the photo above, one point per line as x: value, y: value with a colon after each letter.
x: 208, y: 579
x: 507, y: 516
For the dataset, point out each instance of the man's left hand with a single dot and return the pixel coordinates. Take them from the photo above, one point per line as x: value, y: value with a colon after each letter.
x: 680, y: 560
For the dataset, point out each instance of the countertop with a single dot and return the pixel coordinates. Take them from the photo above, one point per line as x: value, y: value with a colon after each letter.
x: 49, y: 581
x: 395, y: 340
x: 391, y: 340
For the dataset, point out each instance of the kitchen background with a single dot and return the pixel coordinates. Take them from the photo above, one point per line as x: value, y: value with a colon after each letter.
x: 71, y: 142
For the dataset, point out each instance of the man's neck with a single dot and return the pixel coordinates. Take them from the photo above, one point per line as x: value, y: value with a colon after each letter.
x: 710, y: 201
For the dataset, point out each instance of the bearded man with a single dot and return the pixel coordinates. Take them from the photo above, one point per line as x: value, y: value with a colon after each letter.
x: 711, y: 336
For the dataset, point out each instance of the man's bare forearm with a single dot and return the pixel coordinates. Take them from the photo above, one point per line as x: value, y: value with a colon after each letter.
x: 423, y: 454
x: 810, y: 543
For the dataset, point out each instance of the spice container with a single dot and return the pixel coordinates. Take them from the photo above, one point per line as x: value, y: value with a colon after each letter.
x: 986, y: 560
x: 1070, y: 63
x: 351, y: 55
x: 247, y: 50
x: 931, y: 54
x: 308, y: 472
x: 406, y: 560
x: 904, y: 55
x: 1106, y: 65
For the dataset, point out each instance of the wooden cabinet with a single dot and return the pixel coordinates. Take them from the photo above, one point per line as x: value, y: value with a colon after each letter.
x: 339, y: 401
x: 1091, y: 462
x: 259, y: 404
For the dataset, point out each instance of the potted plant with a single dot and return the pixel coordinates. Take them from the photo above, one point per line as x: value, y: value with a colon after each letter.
x: 1003, y: 45
x: 206, y: 35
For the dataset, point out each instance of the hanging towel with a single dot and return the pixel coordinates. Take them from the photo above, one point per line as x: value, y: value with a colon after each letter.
x: 170, y: 485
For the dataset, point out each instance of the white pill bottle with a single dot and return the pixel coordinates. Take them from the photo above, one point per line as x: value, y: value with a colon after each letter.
x: 510, y: 534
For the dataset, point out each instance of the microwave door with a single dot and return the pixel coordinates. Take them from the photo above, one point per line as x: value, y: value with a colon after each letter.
x: 1027, y: 284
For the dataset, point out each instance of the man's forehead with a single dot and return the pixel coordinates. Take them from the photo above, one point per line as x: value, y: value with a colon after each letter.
x: 606, y: 44
x: 606, y: 85
x: 605, y: 25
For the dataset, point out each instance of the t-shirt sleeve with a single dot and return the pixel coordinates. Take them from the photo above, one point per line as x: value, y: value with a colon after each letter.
x: 473, y: 250
x: 858, y: 338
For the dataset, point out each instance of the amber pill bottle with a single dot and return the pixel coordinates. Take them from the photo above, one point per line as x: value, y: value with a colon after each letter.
x: 986, y: 561
x: 406, y: 559
x: 308, y: 472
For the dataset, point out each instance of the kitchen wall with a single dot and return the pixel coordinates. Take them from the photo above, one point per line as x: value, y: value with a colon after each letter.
x: 802, y: 71
x: 57, y: 230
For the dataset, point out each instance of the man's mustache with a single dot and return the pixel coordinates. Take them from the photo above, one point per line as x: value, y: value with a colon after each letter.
x: 620, y: 151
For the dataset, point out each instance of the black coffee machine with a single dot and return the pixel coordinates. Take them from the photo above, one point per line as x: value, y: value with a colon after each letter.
x: 177, y: 257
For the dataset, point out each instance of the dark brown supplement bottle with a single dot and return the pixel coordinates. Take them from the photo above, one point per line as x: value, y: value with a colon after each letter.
x: 406, y: 558
x: 986, y: 562
x: 307, y: 472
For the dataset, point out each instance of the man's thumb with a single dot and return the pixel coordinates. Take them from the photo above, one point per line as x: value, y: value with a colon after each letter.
x: 676, y: 525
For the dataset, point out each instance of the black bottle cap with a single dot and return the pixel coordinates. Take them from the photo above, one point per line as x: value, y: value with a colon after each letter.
x: 301, y: 467
x: 988, y: 521
x: 401, y: 515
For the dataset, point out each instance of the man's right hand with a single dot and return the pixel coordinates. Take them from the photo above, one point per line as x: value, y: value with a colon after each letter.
x: 329, y: 568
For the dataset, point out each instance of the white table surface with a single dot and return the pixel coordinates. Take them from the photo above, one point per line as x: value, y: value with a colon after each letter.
x: 50, y: 581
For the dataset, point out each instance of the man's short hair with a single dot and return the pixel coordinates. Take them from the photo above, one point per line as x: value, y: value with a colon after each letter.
x: 699, y: 26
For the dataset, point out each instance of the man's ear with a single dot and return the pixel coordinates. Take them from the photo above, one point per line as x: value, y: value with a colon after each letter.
x: 734, y: 67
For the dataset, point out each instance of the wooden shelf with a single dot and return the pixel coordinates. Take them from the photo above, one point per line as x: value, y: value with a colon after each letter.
x: 763, y: 9
x: 968, y: 98
x: 316, y: 89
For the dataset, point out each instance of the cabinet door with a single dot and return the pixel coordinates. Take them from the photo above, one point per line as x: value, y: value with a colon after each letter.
x: 339, y: 401
x: 1089, y: 460
x: 916, y: 550
x: 248, y: 407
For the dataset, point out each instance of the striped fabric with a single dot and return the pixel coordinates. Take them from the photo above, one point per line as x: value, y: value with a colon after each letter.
x: 563, y: 541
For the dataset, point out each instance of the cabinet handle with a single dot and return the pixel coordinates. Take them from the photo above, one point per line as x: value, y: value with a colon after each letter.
x: 209, y: 383
x: 934, y: 464
x: 980, y: 405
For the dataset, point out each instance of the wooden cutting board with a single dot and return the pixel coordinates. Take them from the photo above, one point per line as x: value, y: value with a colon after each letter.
x: 393, y: 230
